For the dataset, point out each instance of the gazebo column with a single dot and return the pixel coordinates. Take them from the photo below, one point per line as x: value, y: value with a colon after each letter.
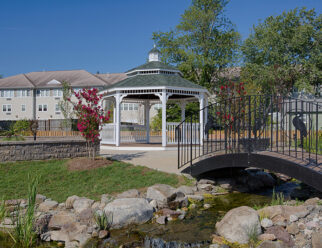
x: 201, y: 116
x: 183, y: 117
x: 164, y: 117
x: 117, y: 119
x: 147, y: 120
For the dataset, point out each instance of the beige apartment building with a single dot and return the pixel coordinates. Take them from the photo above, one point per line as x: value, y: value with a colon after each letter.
x: 36, y: 95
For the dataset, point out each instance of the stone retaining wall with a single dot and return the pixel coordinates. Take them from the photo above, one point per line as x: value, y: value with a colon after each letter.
x: 39, y: 150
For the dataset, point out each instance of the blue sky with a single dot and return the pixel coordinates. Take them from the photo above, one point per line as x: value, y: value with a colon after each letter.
x: 103, y: 35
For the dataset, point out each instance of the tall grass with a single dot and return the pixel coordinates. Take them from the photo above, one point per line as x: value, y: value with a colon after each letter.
x: 104, y: 221
x: 277, y: 198
x: 24, y: 233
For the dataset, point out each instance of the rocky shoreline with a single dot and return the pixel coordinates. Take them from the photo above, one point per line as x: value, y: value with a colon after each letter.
x: 72, y: 223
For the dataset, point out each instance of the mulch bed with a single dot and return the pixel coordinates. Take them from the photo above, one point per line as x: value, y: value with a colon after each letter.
x: 81, y: 164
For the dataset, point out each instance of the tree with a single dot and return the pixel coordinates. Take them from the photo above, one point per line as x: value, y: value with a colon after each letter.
x: 66, y: 106
x: 203, y: 44
x: 284, y: 52
x: 90, y: 117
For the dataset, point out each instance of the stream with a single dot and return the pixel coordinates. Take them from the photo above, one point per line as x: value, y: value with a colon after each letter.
x: 194, y: 231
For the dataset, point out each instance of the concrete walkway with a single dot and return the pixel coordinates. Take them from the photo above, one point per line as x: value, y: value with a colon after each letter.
x: 159, y: 160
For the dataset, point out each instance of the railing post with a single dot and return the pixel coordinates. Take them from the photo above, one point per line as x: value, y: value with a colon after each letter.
x: 191, y: 144
x: 249, y: 124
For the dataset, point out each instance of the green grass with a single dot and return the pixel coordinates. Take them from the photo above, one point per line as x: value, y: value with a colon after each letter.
x: 14, y: 138
x: 57, y: 182
x: 312, y: 147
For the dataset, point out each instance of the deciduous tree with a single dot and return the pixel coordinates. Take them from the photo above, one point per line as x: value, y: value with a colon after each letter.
x: 202, y: 44
x: 284, y: 52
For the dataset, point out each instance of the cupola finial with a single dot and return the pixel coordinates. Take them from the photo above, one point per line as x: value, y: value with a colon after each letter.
x: 154, y: 54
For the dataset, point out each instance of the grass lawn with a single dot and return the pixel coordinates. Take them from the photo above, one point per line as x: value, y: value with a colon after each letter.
x: 57, y: 182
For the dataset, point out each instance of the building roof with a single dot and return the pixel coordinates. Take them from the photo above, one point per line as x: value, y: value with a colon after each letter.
x: 154, y: 65
x: 155, y: 80
x: 154, y: 50
x: 111, y: 78
x: 53, y: 79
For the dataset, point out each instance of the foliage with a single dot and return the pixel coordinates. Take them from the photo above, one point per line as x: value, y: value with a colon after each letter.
x: 24, y: 233
x: 174, y: 114
x: 252, y: 236
x: 14, y: 138
x: 103, y: 221
x: 311, y: 145
x: 90, y: 117
x: 21, y: 126
x: 277, y: 198
x: 284, y: 52
x: 202, y: 44
x: 65, y: 106
x: 57, y: 182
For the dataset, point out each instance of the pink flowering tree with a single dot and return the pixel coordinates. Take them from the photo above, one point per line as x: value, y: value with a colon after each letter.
x: 90, y: 117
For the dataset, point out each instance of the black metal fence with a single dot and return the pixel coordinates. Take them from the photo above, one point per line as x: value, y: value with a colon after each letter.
x: 255, y: 123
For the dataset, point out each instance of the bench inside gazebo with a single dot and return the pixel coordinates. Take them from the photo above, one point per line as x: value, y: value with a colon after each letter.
x: 149, y: 84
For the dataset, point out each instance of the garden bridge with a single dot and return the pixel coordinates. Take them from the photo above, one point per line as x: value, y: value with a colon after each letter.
x: 280, y: 134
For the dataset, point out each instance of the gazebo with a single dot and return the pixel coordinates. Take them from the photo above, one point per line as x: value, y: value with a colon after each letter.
x: 151, y: 83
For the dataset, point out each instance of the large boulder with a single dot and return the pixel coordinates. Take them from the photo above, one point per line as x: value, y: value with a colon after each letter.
x: 70, y: 201
x: 271, y: 244
x: 81, y: 204
x: 317, y: 239
x: 129, y: 211
x: 162, y: 193
x: 281, y: 234
x: 47, y: 205
x: 61, y: 218
x: 132, y: 193
x: 186, y: 190
x: 238, y: 224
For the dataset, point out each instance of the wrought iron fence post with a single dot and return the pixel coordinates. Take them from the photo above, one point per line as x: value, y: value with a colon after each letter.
x: 191, y: 145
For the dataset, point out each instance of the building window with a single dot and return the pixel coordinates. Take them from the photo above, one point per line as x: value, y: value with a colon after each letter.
x: 23, y: 107
x: 7, y: 93
x: 43, y: 93
x: 22, y: 93
x: 136, y: 106
x: 58, y: 93
x: 6, y: 108
x: 42, y: 107
x: 126, y: 106
x: 57, y: 108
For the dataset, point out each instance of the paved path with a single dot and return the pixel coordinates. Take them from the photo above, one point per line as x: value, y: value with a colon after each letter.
x: 160, y: 160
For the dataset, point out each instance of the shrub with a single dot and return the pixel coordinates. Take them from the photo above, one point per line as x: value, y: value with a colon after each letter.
x: 21, y: 126
x: 104, y: 221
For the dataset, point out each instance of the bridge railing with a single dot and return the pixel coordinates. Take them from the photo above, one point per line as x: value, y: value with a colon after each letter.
x: 251, y: 124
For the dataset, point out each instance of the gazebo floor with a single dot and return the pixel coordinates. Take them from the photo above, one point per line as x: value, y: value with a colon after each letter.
x: 139, y: 147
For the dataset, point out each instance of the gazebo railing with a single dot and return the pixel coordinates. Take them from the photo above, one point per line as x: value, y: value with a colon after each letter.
x: 172, y: 135
x: 133, y: 133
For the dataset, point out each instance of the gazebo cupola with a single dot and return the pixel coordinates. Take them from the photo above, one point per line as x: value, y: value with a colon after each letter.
x: 151, y: 83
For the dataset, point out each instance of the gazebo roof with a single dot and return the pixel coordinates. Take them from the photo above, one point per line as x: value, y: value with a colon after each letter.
x: 156, y: 80
x: 154, y: 65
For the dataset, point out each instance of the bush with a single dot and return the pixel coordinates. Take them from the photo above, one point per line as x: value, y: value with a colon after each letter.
x: 21, y: 126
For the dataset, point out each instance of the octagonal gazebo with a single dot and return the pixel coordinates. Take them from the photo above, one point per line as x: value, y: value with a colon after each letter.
x: 148, y: 84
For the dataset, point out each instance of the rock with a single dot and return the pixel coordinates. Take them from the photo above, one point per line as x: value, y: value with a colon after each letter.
x: 312, y: 201
x: 7, y: 221
x: 205, y: 187
x: 267, y: 236
x: 61, y: 205
x: 265, y: 178
x: 192, y: 206
x: 129, y: 211
x: 266, y: 223
x: 94, y: 234
x: 317, y: 239
x: 40, y: 198
x: 281, y: 234
x: 162, y: 193
x: 206, y: 206
x: 238, y: 223
x: 300, y: 240
x: 132, y: 193
x: 96, y: 205
x: 293, y: 229
x: 103, y: 234
x: 45, y: 237
x: 312, y: 224
x: 81, y: 204
x: 47, y: 205
x: 206, y: 181
x: 179, y: 202
x: 41, y: 223
x: 161, y: 220
x: 197, y: 198
x: 106, y: 198
x: 225, y: 183
x: 186, y: 190
x: 271, y: 244
x: 217, y: 239
x: 70, y: 201
x: 170, y: 213
x: 61, y: 218
x: 154, y: 204
x: 86, y: 217
x: 293, y: 218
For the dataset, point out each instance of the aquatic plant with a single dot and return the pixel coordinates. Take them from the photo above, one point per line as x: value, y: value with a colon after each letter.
x: 104, y: 221
x: 24, y: 233
x: 277, y: 198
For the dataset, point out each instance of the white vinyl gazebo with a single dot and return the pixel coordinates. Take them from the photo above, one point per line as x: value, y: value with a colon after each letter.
x: 148, y: 84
